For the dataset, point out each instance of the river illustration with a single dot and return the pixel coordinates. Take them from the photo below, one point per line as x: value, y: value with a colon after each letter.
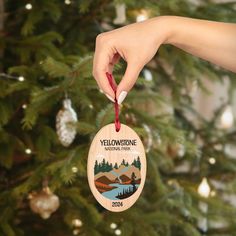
x: 120, y: 188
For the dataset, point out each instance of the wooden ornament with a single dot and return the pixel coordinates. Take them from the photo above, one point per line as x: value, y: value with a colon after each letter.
x: 116, y: 167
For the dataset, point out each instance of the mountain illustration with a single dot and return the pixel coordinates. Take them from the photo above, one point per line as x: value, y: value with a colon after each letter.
x: 118, y: 181
x: 114, y: 175
x: 124, y: 178
x: 104, y: 180
x: 109, y: 175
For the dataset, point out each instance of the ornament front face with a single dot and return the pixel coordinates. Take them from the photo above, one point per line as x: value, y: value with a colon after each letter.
x: 116, y: 167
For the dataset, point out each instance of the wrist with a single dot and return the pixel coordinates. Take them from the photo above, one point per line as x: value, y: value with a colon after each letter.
x: 165, y: 29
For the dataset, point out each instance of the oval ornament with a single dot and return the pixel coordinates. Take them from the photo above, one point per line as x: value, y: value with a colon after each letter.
x: 116, y: 167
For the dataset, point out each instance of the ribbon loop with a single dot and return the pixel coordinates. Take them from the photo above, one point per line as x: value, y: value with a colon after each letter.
x: 116, y: 105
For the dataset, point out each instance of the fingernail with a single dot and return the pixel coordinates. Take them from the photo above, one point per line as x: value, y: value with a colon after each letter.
x: 110, y: 98
x: 121, y: 97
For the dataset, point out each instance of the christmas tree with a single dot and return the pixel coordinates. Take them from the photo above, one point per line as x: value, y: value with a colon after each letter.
x: 46, y: 54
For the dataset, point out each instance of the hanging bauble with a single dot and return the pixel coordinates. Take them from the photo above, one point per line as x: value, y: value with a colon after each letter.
x: 65, y: 123
x: 130, y: 119
x: 120, y: 14
x: 44, y: 202
x: 176, y: 150
x: 148, y: 140
x: 227, y: 118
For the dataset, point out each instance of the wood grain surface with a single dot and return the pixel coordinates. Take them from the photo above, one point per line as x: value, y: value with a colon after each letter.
x: 116, y: 147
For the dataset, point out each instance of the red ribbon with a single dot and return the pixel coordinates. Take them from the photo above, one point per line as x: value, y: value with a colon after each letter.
x: 116, y: 106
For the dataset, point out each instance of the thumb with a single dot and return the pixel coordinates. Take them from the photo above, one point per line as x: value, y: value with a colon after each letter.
x: 128, y: 81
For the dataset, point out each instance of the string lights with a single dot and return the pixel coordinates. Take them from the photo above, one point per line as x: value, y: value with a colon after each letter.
x: 76, y: 231
x: 142, y: 16
x: 24, y: 106
x: 113, y: 225
x: 204, y: 188
x: 28, y: 151
x: 117, y: 232
x: 28, y: 6
x: 67, y: 2
x: 74, y: 169
x: 21, y: 78
x: 6, y: 76
x: 77, y: 222
x: 212, y: 160
x: 227, y: 118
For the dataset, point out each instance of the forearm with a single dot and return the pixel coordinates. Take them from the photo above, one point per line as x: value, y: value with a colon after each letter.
x: 137, y: 44
x: 209, y: 40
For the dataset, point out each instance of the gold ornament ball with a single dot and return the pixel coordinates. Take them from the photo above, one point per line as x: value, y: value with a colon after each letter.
x: 44, y: 203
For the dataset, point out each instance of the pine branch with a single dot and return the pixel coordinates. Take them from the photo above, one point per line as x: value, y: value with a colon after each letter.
x: 55, y: 68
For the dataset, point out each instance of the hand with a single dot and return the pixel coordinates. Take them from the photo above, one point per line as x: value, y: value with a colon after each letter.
x: 136, y: 44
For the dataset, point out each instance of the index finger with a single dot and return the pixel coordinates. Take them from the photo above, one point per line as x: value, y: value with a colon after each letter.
x: 102, y: 64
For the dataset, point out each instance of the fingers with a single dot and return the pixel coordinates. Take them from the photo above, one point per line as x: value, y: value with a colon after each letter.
x: 103, y: 62
x: 114, y: 61
x: 131, y: 74
x: 105, y: 58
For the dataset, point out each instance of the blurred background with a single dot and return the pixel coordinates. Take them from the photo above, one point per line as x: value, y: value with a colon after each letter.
x: 183, y: 109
